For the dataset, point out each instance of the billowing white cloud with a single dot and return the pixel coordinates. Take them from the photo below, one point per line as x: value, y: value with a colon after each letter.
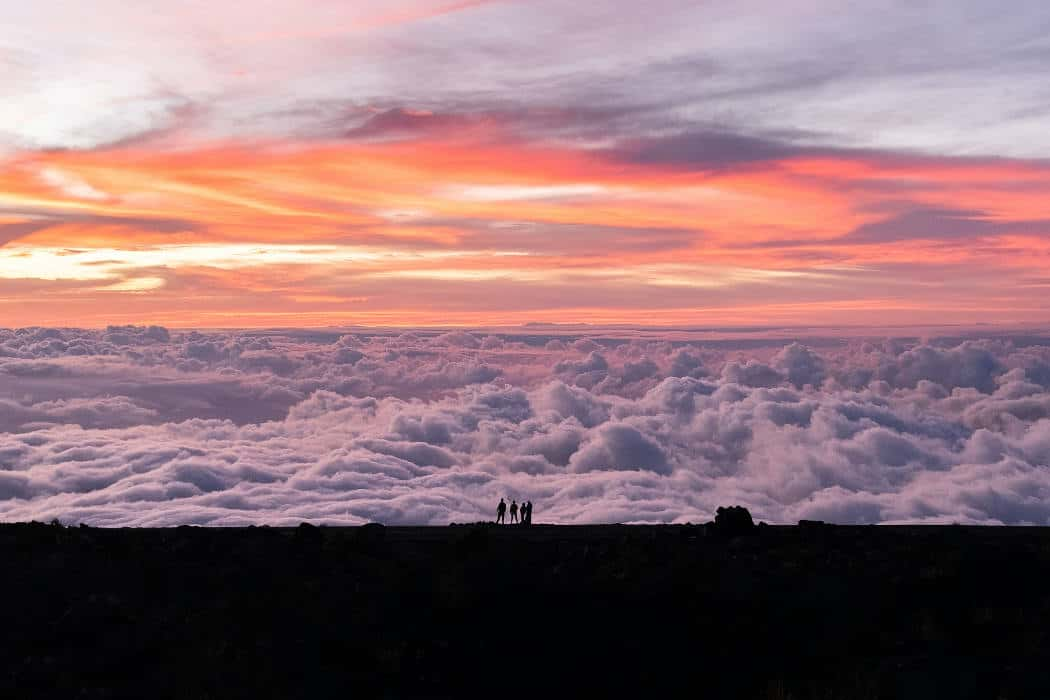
x: 141, y: 426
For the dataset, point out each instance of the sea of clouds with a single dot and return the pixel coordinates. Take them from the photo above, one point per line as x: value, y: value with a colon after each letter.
x: 149, y: 427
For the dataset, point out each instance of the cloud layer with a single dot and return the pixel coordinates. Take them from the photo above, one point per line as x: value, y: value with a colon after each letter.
x: 142, y: 426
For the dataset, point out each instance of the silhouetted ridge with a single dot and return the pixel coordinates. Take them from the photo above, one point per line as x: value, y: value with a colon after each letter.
x: 809, y: 612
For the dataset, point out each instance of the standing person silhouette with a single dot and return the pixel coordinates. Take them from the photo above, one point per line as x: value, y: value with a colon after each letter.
x: 501, y: 512
x: 514, y: 511
x: 528, y: 513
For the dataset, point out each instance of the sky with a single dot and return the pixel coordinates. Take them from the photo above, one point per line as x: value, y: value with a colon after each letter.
x: 342, y: 262
x: 499, y: 162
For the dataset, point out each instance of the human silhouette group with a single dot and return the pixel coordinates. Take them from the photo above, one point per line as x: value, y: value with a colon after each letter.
x: 524, y: 510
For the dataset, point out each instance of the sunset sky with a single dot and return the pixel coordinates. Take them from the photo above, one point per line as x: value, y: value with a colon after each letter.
x: 475, y: 162
x: 284, y: 261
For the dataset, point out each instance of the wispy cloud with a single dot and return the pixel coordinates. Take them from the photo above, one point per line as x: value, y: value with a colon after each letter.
x: 509, y: 161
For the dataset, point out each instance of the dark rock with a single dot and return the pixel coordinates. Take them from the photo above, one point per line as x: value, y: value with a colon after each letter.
x: 308, y: 534
x: 374, y: 531
x: 734, y: 521
x: 370, y: 536
x: 476, y: 541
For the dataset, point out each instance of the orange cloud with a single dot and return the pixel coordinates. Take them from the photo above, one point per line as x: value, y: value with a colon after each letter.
x: 487, y: 229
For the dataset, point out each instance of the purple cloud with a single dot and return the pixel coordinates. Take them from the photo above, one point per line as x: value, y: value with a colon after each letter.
x: 142, y: 426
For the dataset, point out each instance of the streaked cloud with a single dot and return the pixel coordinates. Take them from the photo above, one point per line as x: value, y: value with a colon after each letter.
x: 510, y: 193
x: 498, y: 162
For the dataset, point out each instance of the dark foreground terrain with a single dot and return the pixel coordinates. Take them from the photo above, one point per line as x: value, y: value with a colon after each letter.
x: 799, y: 612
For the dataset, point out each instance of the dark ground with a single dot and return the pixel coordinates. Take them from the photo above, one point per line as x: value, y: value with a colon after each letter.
x: 540, y: 612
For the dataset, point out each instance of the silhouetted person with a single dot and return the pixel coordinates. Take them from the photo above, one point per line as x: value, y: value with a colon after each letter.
x: 514, y: 511
x: 501, y: 512
x: 528, y: 513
